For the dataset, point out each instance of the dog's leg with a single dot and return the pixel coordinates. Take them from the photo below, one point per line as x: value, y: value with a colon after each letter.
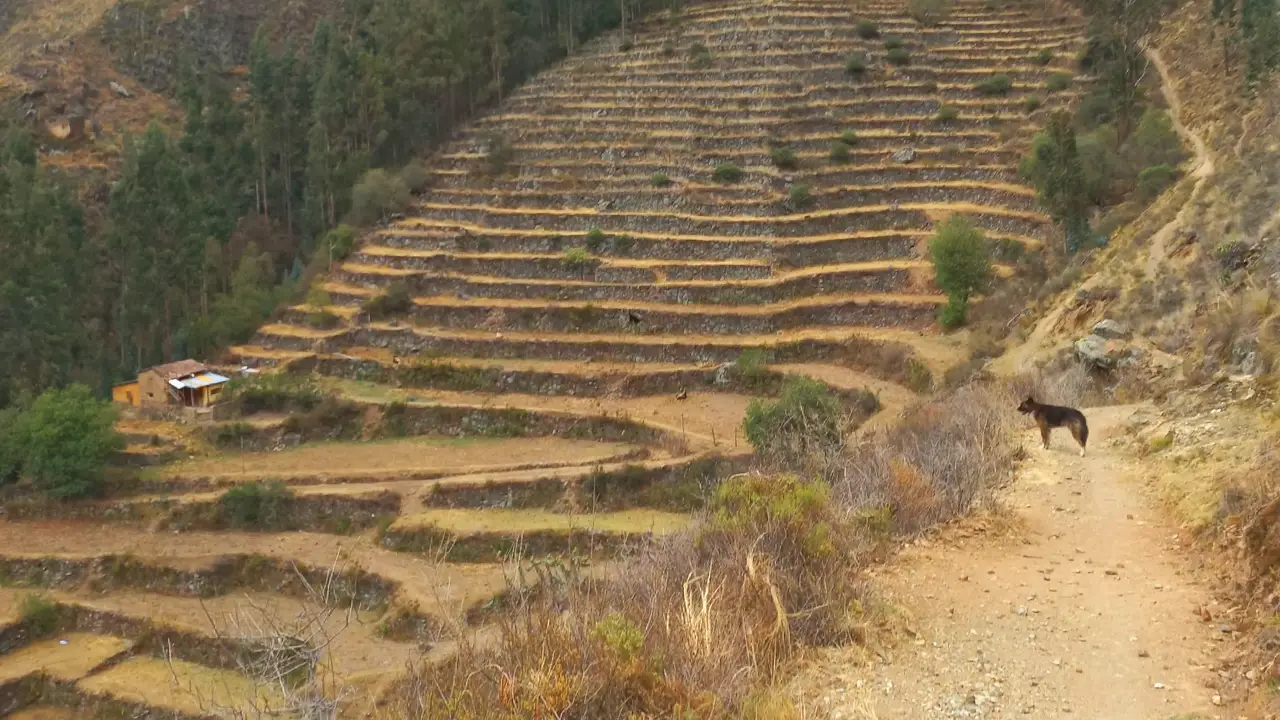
x: 1044, y: 435
x: 1076, y: 432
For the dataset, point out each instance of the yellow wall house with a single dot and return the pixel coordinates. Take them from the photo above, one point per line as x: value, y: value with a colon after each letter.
x: 185, y: 383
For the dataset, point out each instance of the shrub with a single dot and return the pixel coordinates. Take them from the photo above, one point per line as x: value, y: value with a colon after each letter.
x: 1155, y: 180
x: 256, y: 506
x: 961, y: 260
x: 1057, y: 82
x: 318, y: 297
x: 856, y: 64
x: 668, y: 48
x: 952, y: 314
x: 229, y: 435
x: 339, y: 241
x: 576, y: 259
x: 946, y: 114
x: 39, y: 615
x: 659, y: 180
x: 867, y: 30
x: 849, y: 137
x: 1031, y: 104
x: 699, y: 55
x: 804, y: 426
x: 67, y: 436
x: 498, y: 153
x: 377, y: 194
x: 995, y: 85
x: 919, y: 378
x: 751, y: 365
x: 322, y: 320
x: 783, y: 157
x: 893, y: 42
x: 414, y: 176
x: 927, y: 12
x: 898, y: 56
x: 727, y: 173
x: 595, y: 240
x: 1044, y: 57
x: 278, y: 392
x: 395, y: 301
x: 839, y: 153
x: 799, y: 196
x: 1154, y: 142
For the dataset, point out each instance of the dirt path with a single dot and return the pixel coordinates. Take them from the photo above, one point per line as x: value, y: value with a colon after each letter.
x: 1086, y: 613
x: 1203, y: 168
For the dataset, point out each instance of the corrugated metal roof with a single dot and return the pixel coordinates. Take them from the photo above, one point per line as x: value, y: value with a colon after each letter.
x: 199, y: 381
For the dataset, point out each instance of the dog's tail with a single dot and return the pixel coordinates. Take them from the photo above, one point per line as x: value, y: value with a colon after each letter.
x: 1080, y: 429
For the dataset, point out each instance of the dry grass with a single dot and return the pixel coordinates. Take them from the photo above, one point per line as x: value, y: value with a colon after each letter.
x: 463, y: 522
x: 702, y: 622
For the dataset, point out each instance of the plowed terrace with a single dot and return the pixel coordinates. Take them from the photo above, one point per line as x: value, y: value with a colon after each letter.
x: 605, y: 287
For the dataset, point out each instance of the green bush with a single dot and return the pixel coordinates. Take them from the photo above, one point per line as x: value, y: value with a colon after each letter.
x: 1044, y: 57
x: 39, y: 615
x: 995, y: 85
x: 1057, y: 82
x: 595, y: 240
x: 256, y: 506
x: 799, y: 196
x: 961, y: 258
x: 397, y: 300
x: 699, y: 55
x: 806, y: 425
x: 727, y: 173
x: 898, y: 56
x: 322, y: 320
x: 576, y: 259
x: 1102, y: 171
x: 66, y: 438
x: 276, y: 392
x: 946, y: 114
x: 893, y: 42
x: 856, y: 64
x: 415, y: 176
x: 783, y: 157
x: 1155, y: 180
x: 952, y: 315
x: 919, y: 377
x: 498, y: 153
x: 751, y: 365
x: 377, y: 194
x: 839, y: 153
x: 623, y: 639
x: 1031, y: 104
x: 1154, y: 142
x: 867, y: 30
x: 927, y: 12
x: 659, y: 180
x: 339, y: 241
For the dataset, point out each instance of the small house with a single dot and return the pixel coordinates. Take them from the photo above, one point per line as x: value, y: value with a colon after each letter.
x: 185, y: 383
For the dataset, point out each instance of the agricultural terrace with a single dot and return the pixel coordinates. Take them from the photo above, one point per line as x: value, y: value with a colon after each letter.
x: 551, y: 354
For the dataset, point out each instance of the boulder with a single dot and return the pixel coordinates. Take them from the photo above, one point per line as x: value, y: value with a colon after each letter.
x: 904, y: 156
x: 120, y: 90
x: 1100, y: 353
x: 1111, y: 330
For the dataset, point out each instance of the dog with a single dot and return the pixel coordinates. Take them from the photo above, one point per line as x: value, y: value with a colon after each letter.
x: 1054, y: 416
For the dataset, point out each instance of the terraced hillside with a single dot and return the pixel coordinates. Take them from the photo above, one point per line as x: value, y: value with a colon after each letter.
x: 554, y: 350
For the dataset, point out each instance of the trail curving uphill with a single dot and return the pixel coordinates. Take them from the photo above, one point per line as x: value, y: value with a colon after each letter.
x: 1086, y: 612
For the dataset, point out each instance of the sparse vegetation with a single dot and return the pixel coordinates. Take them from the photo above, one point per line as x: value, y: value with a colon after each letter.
x: 1044, y: 57
x: 498, y: 153
x: 39, y: 615
x: 1155, y: 180
x: 1031, y: 104
x: 727, y: 173
x: 839, y: 153
x: 867, y: 30
x: 946, y: 114
x: 893, y: 42
x: 783, y: 157
x: 994, y: 85
x: 595, y: 240
x: 898, y: 56
x: 699, y: 55
x: 849, y: 137
x: 659, y: 180
x: 256, y: 506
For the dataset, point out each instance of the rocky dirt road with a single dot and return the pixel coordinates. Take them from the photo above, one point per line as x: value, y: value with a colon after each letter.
x: 1085, y: 610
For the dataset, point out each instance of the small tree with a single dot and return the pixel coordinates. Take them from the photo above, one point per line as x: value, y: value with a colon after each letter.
x: 805, y: 427
x: 67, y: 437
x: 1053, y: 165
x: 961, y: 260
x: 377, y: 194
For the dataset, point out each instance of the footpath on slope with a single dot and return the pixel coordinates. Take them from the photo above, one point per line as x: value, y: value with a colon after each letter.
x: 1084, y: 610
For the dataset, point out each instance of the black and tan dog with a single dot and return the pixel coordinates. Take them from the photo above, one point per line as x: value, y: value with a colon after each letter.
x: 1053, y: 416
